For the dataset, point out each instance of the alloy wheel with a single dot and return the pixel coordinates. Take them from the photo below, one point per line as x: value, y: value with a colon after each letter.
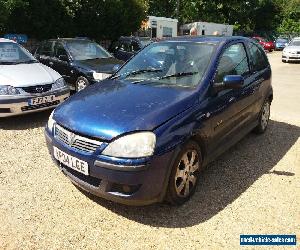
x: 81, y: 84
x: 186, y: 177
x: 265, y: 115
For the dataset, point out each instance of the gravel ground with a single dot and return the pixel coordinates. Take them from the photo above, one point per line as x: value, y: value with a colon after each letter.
x: 251, y: 189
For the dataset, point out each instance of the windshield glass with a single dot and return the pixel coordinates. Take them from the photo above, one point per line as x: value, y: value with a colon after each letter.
x: 179, y: 64
x: 13, y: 53
x: 85, y: 50
x: 295, y: 43
x: 281, y: 40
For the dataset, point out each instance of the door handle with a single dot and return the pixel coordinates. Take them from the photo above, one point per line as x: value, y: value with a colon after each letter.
x: 51, y: 63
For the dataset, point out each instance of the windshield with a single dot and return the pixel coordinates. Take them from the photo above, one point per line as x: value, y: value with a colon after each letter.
x: 281, y: 40
x: 295, y: 43
x: 179, y: 64
x: 13, y: 53
x: 86, y: 50
x: 145, y: 41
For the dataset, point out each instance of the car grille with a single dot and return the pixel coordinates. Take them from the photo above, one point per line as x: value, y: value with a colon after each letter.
x: 40, y: 106
x: 37, y: 89
x: 75, y: 141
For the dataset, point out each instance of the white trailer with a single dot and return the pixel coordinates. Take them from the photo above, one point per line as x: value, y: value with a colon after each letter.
x: 162, y: 27
x: 204, y: 28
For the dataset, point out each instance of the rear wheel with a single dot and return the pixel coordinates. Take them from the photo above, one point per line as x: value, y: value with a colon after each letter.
x: 263, y: 118
x: 81, y: 83
x: 185, y: 174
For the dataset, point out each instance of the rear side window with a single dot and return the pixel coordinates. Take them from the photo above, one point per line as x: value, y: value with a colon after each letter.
x: 60, y: 50
x: 125, y: 46
x: 258, y: 58
x: 45, y: 49
x: 234, y: 61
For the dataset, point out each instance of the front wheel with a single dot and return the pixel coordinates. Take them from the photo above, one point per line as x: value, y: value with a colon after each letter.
x: 81, y: 83
x: 264, y: 118
x: 185, y: 174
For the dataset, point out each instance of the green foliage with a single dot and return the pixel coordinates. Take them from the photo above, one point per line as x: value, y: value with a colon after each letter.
x: 108, y: 19
x: 97, y: 19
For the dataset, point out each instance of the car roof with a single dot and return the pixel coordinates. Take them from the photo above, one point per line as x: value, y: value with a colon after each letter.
x: 4, y: 40
x: 68, y: 39
x: 208, y: 39
x: 136, y: 38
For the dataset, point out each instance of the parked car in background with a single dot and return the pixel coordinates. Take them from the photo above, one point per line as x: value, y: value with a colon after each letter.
x: 80, y: 61
x: 25, y: 84
x: 281, y: 43
x: 145, y: 134
x: 126, y: 47
x: 267, y: 45
x: 291, y: 52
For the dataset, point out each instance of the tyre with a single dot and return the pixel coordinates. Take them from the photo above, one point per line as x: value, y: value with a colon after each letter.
x: 184, y: 174
x: 263, y: 118
x: 81, y: 83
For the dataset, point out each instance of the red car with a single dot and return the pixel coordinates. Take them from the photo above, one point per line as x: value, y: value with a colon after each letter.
x: 267, y: 45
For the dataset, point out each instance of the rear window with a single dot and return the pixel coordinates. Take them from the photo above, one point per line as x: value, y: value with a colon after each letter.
x: 258, y: 58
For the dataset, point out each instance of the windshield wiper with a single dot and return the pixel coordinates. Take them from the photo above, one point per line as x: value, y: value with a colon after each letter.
x: 29, y: 61
x: 8, y: 63
x: 136, y: 72
x: 181, y: 74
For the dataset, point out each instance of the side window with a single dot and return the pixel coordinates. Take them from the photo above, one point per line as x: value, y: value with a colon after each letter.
x: 135, y: 46
x: 46, y: 49
x: 59, y: 50
x: 258, y: 59
x: 234, y: 61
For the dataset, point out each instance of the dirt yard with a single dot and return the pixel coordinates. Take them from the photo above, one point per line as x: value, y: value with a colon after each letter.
x: 254, y: 188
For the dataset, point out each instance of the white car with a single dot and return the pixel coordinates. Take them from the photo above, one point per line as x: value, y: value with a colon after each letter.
x: 25, y: 84
x: 292, y: 51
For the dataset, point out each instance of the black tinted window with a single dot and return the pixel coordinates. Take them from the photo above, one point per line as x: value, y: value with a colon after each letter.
x: 234, y: 61
x: 59, y: 50
x: 135, y: 46
x: 46, y: 49
x: 258, y: 58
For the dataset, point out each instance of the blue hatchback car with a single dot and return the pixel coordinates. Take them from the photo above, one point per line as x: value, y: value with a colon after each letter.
x: 145, y: 134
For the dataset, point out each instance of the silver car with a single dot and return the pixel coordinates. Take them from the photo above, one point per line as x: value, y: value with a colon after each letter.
x: 291, y: 53
x: 25, y: 84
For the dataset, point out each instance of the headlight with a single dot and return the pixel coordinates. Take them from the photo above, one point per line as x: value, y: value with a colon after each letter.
x: 58, y: 84
x: 132, y: 146
x: 8, y: 90
x: 100, y: 76
x: 51, y: 122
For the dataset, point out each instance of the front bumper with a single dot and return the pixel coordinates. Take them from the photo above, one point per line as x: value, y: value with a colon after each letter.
x: 291, y: 57
x: 133, y: 183
x: 17, y: 105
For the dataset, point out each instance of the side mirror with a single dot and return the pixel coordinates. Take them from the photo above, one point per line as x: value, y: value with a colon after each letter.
x: 230, y: 82
x: 63, y: 58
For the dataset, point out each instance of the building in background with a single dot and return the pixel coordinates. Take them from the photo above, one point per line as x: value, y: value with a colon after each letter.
x: 204, y: 28
x: 159, y: 27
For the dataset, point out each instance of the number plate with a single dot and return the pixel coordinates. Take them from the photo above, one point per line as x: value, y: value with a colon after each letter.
x: 71, y: 161
x: 41, y: 100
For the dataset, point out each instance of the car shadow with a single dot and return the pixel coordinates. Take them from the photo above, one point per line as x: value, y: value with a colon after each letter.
x: 26, y: 121
x: 223, y: 181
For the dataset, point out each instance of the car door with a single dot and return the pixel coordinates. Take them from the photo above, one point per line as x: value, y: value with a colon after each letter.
x: 244, y: 97
x: 227, y: 108
x: 45, y: 52
x: 260, y: 76
x: 61, y: 61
